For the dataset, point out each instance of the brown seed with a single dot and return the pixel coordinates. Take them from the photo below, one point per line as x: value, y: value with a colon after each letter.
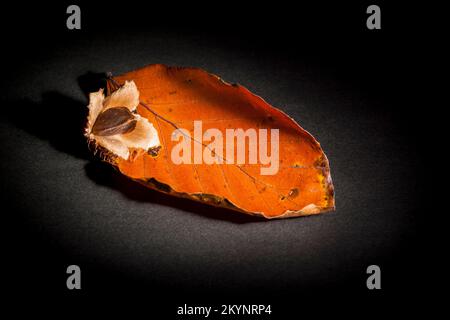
x: 113, y: 121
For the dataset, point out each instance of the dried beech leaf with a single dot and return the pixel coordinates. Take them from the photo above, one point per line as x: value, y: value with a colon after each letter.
x: 177, y: 103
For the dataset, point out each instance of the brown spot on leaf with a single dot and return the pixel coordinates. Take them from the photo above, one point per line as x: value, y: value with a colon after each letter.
x: 293, y: 193
x: 154, y: 151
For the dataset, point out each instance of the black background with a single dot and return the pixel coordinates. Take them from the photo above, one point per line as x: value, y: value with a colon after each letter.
x: 354, y: 89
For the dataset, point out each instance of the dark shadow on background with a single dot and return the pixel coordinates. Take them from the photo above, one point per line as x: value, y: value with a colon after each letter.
x: 103, y: 174
x: 57, y: 119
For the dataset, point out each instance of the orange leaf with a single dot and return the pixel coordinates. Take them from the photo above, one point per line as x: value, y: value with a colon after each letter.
x: 188, y: 118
